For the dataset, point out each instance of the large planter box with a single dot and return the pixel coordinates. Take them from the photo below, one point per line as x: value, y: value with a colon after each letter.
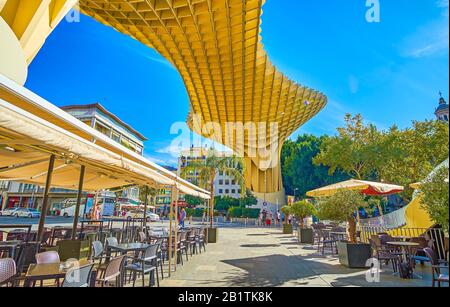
x: 305, y: 236
x: 73, y: 249
x: 288, y: 229
x: 352, y: 255
x: 213, y: 235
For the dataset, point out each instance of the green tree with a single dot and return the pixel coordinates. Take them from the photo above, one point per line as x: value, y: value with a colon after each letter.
x: 354, y: 150
x: 435, y: 197
x: 408, y: 156
x: 299, y: 171
x: 193, y: 201
x: 396, y: 156
x: 342, y: 207
x: 248, y: 200
x: 223, y: 203
x: 301, y: 210
x: 145, y: 192
x: 287, y: 211
x: 210, y: 168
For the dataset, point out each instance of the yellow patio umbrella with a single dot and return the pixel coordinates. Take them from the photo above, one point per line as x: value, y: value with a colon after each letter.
x: 365, y: 187
x: 415, y: 186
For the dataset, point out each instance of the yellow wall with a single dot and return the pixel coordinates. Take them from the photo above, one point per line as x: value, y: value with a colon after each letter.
x: 416, y: 216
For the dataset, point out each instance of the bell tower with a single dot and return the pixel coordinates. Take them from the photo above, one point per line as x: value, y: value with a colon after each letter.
x: 442, y: 110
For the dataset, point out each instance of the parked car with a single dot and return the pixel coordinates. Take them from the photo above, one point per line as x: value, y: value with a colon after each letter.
x: 27, y: 212
x: 139, y: 214
x: 8, y: 211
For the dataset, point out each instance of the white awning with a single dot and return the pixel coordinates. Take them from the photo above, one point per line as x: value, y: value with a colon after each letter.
x: 28, y: 140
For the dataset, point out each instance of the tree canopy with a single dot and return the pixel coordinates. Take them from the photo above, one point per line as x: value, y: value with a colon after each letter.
x: 302, y: 210
x: 396, y: 156
x: 342, y: 207
x: 435, y: 197
x: 299, y: 171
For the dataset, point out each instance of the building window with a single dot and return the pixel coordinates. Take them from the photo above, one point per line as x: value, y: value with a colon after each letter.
x: 233, y: 182
x: 227, y: 191
x: 103, y: 129
x: 233, y: 191
x: 115, y: 136
x: 227, y: 182
x: 239, y: 191
x: 220, y: 191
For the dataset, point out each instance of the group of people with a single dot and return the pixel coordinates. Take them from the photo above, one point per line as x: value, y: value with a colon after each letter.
x: 268, y: 218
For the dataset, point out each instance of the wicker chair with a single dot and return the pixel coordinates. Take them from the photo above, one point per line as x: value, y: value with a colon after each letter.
x: 7, y: 271
x: 113, y: 272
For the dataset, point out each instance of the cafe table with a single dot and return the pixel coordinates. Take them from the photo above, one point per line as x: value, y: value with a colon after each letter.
x: 341, y: 235
x: 41, y: 272
x: 407, y: 250
x: 402, y: 238
x: 126, y: 248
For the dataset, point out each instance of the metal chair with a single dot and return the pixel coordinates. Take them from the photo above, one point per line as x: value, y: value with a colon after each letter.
x: 326, y: 241
x: 146, y: 264
x: 97, y: 254
x: 384, y: 254
x: 111, y: 241
x: 78, y: 277
x: 436, y: 267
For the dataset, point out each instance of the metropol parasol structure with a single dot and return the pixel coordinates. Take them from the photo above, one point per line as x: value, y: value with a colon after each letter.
x: 215, y: 45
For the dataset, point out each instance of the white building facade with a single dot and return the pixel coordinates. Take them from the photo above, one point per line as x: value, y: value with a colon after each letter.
x: 224, y: 184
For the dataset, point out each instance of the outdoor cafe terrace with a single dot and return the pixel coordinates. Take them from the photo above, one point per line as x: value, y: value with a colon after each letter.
x: 119, y: 253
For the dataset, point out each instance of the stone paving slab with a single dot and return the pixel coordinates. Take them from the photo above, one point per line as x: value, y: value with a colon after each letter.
x: 258, y: 257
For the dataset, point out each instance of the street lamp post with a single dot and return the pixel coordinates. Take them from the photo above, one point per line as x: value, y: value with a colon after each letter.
x: 295, y: 194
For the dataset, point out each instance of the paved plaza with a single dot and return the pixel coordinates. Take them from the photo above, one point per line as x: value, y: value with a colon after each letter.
x: 258, y: 257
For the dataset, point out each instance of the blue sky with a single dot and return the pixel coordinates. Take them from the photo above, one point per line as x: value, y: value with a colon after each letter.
x: 390, y: 72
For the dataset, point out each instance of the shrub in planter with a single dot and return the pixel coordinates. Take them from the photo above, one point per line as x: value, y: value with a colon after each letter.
x: 287, y: 228
x: 301, y: 210
x: 342, y: 207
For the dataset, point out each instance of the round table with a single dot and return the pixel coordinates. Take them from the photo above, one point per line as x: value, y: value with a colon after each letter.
x: 407, y: 248
x: 402, y: 238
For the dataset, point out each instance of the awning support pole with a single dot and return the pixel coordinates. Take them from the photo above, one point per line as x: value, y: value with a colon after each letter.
x: 144, y: 224
x: 170, y: 249
x: 77, y: 208
x: 176, y: 229
x: 48, y: 183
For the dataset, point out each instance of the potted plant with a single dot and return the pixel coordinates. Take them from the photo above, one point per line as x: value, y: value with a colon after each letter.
x: 287, y: 228
x: 301, y: 210
x: 342, y: 207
